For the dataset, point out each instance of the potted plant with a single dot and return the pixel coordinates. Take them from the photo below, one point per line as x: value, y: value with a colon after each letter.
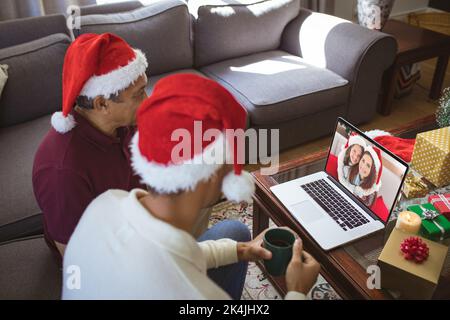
x: 373, y: 14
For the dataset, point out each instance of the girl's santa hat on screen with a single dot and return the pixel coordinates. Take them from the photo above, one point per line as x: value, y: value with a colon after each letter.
x: 96, y: 65
x: 355, y: 139
x: 177, y: 105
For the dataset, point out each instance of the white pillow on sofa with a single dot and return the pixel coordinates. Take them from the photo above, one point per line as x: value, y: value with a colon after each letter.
x: 3, y: 77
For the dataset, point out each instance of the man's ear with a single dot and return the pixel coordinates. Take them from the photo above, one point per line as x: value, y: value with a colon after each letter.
x: 100, y: 104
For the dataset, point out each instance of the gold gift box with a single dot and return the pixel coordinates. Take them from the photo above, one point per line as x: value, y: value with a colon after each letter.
x: 431, y: 156
x: 411, y: 280
x: 415, y: 187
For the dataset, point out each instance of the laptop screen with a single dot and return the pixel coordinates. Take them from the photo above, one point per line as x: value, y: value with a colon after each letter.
x: 359, y: 164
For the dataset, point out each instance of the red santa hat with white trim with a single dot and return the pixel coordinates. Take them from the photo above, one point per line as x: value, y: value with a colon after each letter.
x: 96, y: 65
x: 187, y: 106
x: 355, y: 139
x: 403, y: 148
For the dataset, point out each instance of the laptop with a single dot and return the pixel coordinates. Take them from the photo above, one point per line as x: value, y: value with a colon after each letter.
x: 353, y: 196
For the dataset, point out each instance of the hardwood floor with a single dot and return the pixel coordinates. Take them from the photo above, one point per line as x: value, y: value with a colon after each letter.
x: 405, y: 110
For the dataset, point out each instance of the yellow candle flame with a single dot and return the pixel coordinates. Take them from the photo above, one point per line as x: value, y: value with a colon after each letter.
x: 408, y: 217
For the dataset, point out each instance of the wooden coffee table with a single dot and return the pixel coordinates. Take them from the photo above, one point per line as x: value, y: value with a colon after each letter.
x: 345, y: 267
x: 414, y: 45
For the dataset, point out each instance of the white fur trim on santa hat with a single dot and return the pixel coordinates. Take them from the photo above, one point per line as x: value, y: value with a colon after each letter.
x: 372, y: 134
x: 62, y: 124
x: 175, y: 177
x: 117, y: 80
x: 238, y: 188
x: 357, y: 139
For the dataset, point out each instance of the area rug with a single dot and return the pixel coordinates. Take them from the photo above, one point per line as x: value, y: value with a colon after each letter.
x: 257, y: 287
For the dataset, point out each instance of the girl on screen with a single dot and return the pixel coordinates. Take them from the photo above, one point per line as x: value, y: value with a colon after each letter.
x: 349, y: 158
x: 365, y: 177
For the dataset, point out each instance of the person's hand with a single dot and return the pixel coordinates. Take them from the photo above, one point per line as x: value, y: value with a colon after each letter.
x: 253, y: 250
x: 302, y: 271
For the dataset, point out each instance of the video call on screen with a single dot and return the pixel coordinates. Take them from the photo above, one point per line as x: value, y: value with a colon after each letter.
x: 352, y: 164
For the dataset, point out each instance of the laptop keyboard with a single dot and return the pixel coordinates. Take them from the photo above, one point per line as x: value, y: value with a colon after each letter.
x: 337, y: 207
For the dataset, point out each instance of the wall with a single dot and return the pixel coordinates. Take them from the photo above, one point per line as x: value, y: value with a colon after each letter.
x: 346, y: 8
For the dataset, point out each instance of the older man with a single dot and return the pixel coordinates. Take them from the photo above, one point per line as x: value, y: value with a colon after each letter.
x: 86, y: 152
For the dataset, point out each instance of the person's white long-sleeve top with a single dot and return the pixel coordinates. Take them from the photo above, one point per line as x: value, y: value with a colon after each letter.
x: 120, y: 251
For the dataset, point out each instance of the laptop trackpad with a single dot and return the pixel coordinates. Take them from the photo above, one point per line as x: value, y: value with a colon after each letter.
x: 307, y: 212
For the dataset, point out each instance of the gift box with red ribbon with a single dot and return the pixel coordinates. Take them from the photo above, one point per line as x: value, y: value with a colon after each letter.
x: 442, y: 203
x: 411, y: 265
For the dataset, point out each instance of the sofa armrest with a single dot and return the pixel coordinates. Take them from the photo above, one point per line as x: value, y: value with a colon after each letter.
x: 355, y: 53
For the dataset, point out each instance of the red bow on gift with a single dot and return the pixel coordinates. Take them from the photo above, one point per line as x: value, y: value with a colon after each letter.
x: 415, y: 249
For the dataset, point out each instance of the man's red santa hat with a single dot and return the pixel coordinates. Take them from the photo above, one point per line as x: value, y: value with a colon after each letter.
x: 96, y: 65
x: 178, y: 104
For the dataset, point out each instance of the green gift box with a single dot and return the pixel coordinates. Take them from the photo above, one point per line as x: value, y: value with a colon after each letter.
x: 434, y: 226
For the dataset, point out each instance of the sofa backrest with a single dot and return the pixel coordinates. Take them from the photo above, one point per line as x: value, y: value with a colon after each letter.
x: 14, y: 32
x: 34, y: 84
x: 225, y: 29
x: 162, y: 30
x: 110, y: 8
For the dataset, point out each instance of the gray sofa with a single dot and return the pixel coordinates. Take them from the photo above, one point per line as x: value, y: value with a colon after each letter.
x: 292, y: 69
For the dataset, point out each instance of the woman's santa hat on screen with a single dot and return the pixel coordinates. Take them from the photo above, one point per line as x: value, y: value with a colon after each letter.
x: 355, y: 139
x: 96, y: 65
x: 188, y: 106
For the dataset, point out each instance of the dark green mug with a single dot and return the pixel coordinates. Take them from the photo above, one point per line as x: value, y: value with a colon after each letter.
x: 279, y: 242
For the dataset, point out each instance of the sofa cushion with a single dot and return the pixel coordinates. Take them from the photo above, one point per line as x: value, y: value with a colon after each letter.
x: 161, y: 30
x: 29, y: 271
x: 227, y: 29
x: 34, y: 85
x: 154, y: 79
x: 21, y: 141
x: 275, y: 86
x: 18, y: 31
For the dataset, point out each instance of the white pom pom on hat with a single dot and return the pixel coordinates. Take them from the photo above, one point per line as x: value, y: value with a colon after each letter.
x: 61, y: 123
